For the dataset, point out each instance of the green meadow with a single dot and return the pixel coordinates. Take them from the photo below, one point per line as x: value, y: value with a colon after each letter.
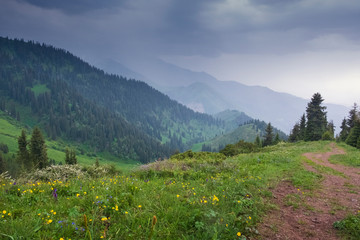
x: 189, y: 196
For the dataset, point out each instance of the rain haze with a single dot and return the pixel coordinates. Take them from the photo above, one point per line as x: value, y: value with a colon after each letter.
x: 294, y: 46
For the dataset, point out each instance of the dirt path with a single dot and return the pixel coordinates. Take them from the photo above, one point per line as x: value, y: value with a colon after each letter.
x: 305, y: 215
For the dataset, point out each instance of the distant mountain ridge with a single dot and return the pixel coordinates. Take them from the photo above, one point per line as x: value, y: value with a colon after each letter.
x: 204, y: 93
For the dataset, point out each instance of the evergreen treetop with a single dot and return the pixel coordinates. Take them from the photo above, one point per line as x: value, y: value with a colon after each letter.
x: 316, y: 119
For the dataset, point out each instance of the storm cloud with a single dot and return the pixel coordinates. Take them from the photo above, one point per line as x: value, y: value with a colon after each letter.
x: 192, y: 33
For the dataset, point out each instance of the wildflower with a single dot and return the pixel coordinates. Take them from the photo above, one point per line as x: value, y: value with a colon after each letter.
x: 139, y: 206
x: 104, y: 219
x: 49, y: 221
x: 178, y: 195
x: 4, y: 212
x: 238, y: 234
x: 61, y: 239
x: 249, y: 217
x: 126, y: 213
x: 215, y: 198
x: 77, y: 195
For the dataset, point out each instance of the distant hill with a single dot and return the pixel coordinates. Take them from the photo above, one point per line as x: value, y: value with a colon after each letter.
x: 233, y: 118
x: 68, y: 98
x: 246, y: 132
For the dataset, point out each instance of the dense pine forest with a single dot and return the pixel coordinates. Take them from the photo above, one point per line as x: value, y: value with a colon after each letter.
x: 68, y: 98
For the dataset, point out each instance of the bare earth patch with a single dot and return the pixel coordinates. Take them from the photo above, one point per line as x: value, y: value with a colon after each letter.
x: 310, y: 215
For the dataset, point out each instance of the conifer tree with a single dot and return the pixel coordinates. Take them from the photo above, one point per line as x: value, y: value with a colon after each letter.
x: 258, y: 141
x: 354, y: 135
x: 302, y: 127
x: 316, y: 119
x: 67, y: 156
x: 295, y: 133
x: 23, y: 157
x: 277, y: 139
x: 70, y: 156
x: 38, y: 153
x: 353, y: 116
x: 344, y: 133
x: 269, y: 135
x: 73, y: 157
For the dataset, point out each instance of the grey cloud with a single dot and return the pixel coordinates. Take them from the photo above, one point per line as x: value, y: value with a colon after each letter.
x: 77, y: 6
x: 174, y: 27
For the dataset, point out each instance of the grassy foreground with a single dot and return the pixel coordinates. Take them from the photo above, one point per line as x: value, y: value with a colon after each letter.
x: 190, y: 196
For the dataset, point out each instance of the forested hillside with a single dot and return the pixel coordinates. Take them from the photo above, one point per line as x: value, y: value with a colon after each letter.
x: 68, y: 98
x: 247, y: 131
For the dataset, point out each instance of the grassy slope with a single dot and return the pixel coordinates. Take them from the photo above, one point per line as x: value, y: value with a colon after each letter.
x: 199, y: 197
x: 10, y: 129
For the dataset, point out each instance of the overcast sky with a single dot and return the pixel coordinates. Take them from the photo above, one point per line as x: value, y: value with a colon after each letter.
x: 294, y: 46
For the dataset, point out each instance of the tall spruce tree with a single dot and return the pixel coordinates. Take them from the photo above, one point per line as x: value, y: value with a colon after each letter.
x: 302, y: 127
x: 23, y: 157
x: 344, y: 133
x: 269, y: 135
x: 38, y: 152
x: 353, y: 116
x: 354, y: 134
x: 295, y: 133
x: 316, y: 119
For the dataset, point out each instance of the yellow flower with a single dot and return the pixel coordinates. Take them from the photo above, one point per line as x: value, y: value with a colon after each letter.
x: 104, y: 219
x: 238, y: 234
x: 178, y: 195
x: 4, y: 212
x: 139, y: 206
x: 49, y: 221
x: 249, y: 217
x: 54, y: 213
x: 61, y: 239
x: 215, y: 198
x: 126, y: 212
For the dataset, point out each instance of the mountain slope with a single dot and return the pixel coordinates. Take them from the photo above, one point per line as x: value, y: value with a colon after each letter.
x: 72, y: 99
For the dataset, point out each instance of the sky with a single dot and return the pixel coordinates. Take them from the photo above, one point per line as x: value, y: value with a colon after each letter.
x: 294, y: 46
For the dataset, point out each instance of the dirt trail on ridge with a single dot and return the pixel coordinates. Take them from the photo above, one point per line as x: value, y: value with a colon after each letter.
x: 310, y: 215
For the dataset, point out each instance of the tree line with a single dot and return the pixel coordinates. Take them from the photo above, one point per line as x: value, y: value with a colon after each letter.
x: 314, y: 125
